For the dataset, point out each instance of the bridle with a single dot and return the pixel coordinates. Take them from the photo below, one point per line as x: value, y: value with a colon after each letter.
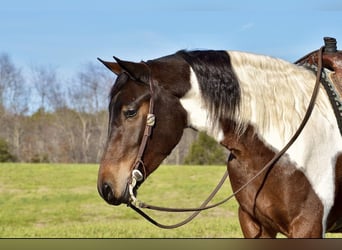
x: 139, y: 165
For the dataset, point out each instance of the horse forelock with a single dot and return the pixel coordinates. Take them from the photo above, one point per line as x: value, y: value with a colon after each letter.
x: 117, y: 86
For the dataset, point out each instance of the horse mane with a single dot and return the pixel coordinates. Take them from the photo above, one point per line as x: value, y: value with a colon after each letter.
x: 274, y: 94
x: 218, y: 84
x: 269, y: 93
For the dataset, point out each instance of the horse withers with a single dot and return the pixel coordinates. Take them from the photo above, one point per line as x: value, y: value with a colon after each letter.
x: 251, y: 104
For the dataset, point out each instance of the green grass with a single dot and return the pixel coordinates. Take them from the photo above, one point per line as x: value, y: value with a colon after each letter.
x: 61, y: 201
x: 58, y: 201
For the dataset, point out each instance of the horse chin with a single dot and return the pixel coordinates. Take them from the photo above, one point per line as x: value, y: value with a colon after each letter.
x: 126, y: 197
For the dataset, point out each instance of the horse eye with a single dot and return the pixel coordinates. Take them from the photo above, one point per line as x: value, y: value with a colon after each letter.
x: 130, y: 113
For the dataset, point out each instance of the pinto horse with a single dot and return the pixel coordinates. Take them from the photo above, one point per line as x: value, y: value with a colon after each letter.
x: 252, y: 105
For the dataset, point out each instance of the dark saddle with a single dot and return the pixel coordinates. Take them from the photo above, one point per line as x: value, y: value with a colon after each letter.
x: 332, y: 60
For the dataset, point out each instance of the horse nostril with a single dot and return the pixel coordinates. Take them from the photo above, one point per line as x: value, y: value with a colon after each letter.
x: 107, y: 193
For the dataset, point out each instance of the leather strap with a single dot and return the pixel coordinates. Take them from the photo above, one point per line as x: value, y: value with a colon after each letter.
x: 150, y: 121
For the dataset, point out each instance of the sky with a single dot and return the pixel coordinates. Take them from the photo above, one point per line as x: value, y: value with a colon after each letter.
x: 67, y: 34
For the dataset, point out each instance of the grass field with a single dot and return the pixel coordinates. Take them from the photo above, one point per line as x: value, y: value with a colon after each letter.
x: 58, y: 201
x: 61, y: 201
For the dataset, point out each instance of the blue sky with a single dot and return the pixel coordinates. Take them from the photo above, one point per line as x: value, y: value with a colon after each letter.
x: 67, y: 34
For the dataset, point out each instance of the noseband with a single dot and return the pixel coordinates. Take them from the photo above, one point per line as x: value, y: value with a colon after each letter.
x: 137, y: 176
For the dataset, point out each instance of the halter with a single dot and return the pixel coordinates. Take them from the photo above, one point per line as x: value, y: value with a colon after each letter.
x: 137, y: 176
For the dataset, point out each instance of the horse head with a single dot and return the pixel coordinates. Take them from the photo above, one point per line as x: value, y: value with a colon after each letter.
x: 128, y: 109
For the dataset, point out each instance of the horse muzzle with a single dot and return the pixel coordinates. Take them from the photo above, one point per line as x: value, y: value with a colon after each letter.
x: 107, y: 192
x: 128, y: 196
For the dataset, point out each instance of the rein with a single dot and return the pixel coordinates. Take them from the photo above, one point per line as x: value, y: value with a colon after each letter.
x: 137, y: 176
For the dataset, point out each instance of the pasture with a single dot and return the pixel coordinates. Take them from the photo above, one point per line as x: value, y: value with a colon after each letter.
x: 61, y: 201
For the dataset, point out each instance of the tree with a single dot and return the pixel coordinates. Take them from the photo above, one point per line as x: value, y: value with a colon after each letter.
x: 14, y: 97
x: 182, y: 149
x: 206, y: 151
x: 13, y: 92
x: 47, y: 86
x: 91, y: 88
x: 89, y: 98
x: 5, y: 154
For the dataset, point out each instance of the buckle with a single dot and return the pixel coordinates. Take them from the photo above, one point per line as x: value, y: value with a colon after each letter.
x: 151, y: 119
x: 136, y: 176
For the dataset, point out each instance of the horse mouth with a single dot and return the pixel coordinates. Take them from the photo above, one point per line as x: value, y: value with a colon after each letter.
x: 107, y: 193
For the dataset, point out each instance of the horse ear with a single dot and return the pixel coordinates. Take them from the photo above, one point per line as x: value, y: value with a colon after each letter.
x: 112, y: 66
x: 138, y: 71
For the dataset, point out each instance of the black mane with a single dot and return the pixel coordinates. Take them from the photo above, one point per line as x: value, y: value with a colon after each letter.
x: 217, y: 80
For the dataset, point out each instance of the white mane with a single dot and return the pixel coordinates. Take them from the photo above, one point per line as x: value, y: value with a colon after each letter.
x: 274, y: 94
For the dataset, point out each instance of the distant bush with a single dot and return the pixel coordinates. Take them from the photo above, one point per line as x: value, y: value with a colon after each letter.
x: 37, y: 158
x: 206, y: 151
x: 5, y: 154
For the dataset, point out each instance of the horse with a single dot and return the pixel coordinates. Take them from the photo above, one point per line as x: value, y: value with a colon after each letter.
x: 251, y: 104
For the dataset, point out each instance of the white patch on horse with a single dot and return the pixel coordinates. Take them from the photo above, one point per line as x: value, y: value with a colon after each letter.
x: 198, y: 116
x: 274, y: 98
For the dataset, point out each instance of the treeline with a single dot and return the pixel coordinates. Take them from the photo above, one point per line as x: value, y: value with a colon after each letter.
x: 63, y: 135
x: 47, y: 118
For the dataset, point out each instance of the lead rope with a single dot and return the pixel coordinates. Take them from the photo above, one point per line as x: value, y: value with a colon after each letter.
x: 134, y: 205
